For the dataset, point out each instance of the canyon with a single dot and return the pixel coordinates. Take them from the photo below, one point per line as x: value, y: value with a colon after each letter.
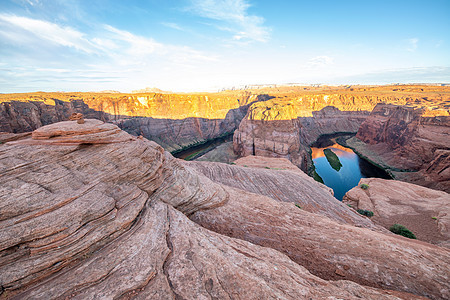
x: 89, y: 210
x: 99, y: 207
x: 277, y: 122
x: 285, y: 126
x: 413, y: 146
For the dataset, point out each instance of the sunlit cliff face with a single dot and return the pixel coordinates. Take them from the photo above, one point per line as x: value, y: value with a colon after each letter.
x: 294, y: 105
x: 155, y: 105
x: 336, y: 148
x: 286, y: 103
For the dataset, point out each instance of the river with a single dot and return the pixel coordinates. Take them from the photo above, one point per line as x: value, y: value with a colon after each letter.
x: 345, y: 175
x: 201, y: 149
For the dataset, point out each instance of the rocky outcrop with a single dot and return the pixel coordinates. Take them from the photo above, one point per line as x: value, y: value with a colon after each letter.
x: 17, y: 116
x: 424, y: 211
x: 415, y: 147
x: 89, y: 211
x: 328, y: 249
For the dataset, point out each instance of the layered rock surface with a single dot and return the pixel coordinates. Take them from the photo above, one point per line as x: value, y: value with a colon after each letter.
x: 107, y: 218
x: 415, y: 147
x: 424, y: 211
x: 279, y: 179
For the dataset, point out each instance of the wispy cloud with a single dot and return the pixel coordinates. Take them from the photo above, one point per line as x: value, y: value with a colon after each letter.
x: 173, y: 26
x: 38, y: 49
x: 112, y: 42
x: 320, y: 61
x: 33, y: 2
x: 50, y: 32
x: 412, y: 44
x: 235, y: 14
x: 134, y: 49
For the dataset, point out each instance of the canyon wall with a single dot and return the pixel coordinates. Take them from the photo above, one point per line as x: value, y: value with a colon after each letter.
x: 173, y: 120
x: 285, y: 127
x: 25, y: 116
x: 177, y: 134
x: 280, y: 122
x: 410, y: 142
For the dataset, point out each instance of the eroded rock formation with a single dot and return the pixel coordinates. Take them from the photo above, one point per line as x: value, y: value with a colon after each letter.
x: 107, y: 217
x: 290, y: 138
x: 424, y: 211
x: 279, y: 179
x: 407, y: 141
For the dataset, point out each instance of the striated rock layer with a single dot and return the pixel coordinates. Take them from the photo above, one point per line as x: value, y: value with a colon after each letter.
x: 106, y: 217
x: 424, y: 211
x: 279, y: 179
x: 175, y: 121
x: 415, y: 147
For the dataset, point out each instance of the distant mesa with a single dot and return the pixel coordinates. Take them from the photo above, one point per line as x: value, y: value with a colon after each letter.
x: 109, y: 92
x: 150, y: 90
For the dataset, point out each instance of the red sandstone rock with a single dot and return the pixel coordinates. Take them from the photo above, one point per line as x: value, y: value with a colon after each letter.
x: 9, y: 137
x: 403, y: 138
x: 68, y: 132
x: 279, y: 179
x: 174, y: 121
x: 424, y: 211
x: 77, y: 117
x: 289, y: 136
x: 108, y: 220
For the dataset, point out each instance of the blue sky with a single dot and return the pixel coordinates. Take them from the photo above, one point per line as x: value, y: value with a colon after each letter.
x: 206, y: 45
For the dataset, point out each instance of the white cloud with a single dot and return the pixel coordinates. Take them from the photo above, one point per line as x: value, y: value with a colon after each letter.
x: 412, y: 44
x: 32, y: 3
x: 54, y: 33
x: 173, y: 26
x: 135, y: 45
x: 233, y: 12
x: 121, y: 46
x: 141, y: 50
x: 320, y: 61
x: 38, y: 54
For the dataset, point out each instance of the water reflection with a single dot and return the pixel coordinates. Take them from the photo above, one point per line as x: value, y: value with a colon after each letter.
x: 352, y: 170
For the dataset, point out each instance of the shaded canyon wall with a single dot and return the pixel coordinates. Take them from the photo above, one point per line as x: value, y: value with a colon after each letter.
x: 412, y: 143
x: 285, y: 127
